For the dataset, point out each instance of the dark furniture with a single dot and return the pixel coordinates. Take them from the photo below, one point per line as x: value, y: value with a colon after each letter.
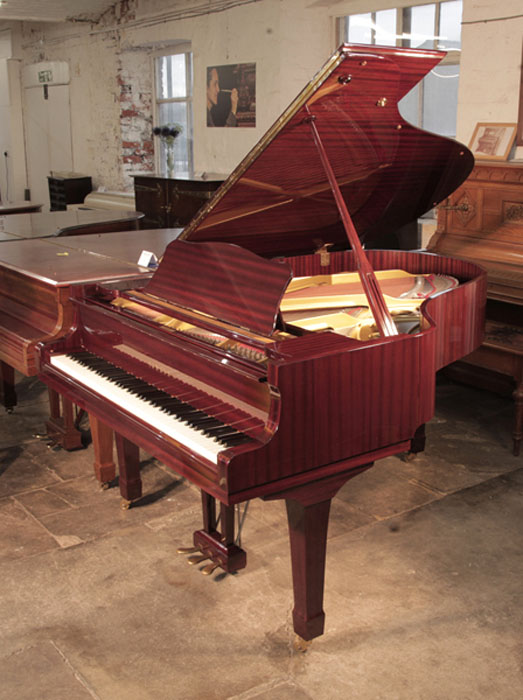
x: 65, y: 190
x: 201, y: 368
x: 172, y: 202
x: 482, y: 221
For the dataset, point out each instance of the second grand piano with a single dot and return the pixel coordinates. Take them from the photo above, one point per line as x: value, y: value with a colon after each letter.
x: 257, y: 367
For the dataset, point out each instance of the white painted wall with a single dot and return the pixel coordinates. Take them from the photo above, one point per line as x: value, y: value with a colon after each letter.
x: 288, y: 40
x: 492, y: 35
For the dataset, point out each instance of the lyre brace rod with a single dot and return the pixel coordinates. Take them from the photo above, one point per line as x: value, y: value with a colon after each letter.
x: 370, y: 284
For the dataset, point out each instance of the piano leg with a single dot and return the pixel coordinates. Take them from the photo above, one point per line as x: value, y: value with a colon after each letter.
x: 417, y: 444
x: 308, y: 538
x: 129, y: 479
x: 308, y: 509
x: 61, y: 427
x: 518, y: 427
x: 7, y: 386
x: 102, y: 437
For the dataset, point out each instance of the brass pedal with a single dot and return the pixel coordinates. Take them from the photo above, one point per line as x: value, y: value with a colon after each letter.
x: 197, y: 558
x: 187, y: 550
x: 210, y: 568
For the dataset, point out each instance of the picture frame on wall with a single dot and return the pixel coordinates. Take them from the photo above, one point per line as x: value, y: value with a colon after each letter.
x: 492, y: 141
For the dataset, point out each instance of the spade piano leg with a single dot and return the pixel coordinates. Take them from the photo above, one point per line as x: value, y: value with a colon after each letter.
x: 129, y: 478
x: 308, y: 510
x: 7, y: 386
x: 102, y: 437
x: 61, y: 425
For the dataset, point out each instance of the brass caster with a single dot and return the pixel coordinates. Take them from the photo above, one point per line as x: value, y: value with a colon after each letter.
x: 197, y: 558
x: 210, y: 568
x: 301, y: 645
x: 104, y: 485
x: 409, y: 456
x: 187, y: 550
x: 53, y: 446
x: 9, y: 410
x: 125, y: 505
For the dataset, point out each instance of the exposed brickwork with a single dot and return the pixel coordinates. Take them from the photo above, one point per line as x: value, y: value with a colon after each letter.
x: 135, y: 98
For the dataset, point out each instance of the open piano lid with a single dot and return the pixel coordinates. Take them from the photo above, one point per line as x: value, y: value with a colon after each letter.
x: 279, y: 201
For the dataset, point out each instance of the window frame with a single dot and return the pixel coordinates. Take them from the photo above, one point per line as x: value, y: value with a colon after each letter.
x: 174, y: 50
x: 452, y: 57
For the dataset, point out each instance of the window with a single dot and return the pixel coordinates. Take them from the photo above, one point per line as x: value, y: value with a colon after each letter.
x: 433, y: 103
x: 174, y: 89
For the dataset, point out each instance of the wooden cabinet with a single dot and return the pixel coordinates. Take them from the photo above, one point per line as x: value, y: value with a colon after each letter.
x: 67, y: 190
x: 172, y: 202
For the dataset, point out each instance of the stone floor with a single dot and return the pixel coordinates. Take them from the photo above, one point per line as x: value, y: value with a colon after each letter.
x: 424, y: 584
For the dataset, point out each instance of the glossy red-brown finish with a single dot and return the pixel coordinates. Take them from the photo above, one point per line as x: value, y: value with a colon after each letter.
x: 323, y: 406
x: 70, y: 223
x: 232, y: 280
x: 278, y: 200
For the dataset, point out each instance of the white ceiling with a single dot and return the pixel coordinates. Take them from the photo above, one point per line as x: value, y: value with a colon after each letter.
x: 52, y: 10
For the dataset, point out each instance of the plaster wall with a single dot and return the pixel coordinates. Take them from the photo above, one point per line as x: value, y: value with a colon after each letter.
x: 490, y: 65
x: 111, y: 70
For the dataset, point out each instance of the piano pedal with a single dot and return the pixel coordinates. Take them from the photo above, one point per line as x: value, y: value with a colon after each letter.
x: 54, y: 446
x: 197, y: 558
x: 187, y: 550
x: 210, y: 568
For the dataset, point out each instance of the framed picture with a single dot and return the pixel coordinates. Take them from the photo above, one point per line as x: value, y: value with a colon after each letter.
x: 231, y: 95
x: 492, y: 141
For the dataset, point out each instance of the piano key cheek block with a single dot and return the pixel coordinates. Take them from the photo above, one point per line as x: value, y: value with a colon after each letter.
x: 254, y: 366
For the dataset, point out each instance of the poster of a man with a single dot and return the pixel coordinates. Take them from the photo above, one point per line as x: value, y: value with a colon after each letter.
x: 231, y: 95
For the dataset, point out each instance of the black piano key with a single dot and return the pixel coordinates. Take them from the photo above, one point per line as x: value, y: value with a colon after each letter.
x: 199, y: 420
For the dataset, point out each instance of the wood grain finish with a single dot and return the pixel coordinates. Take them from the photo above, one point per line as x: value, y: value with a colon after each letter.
x: 278, y: 200
x: 329, y: 406
x: 237, y: 286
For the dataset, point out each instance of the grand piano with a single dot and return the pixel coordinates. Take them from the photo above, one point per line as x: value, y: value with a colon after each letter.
x: 270, y: 355
x: 36, y: 279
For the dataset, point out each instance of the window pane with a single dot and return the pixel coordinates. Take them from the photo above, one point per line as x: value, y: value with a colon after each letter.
x: 178, y: 113
x: 171, y: 76
x: 386, y: 28
x: 418, y: 23
x: 360, y: 29
x: 440, y: 100
x: 409, y: 106
x: 450, y: 25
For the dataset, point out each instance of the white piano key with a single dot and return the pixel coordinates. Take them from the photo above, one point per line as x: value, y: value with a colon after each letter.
x: 191, y: 438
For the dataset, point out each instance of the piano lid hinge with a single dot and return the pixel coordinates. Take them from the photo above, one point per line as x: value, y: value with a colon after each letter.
x: 324, y: 253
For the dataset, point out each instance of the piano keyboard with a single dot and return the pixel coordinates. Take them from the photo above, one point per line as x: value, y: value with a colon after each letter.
x: 199, y: 432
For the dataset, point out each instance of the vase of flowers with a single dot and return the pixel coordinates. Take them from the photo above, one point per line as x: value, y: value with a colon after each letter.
x: 167, y: 134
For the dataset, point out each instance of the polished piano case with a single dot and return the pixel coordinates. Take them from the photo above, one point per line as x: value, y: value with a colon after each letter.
x: 207, y: 369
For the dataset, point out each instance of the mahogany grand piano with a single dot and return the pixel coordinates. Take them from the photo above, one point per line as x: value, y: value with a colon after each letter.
x: 270, y: 355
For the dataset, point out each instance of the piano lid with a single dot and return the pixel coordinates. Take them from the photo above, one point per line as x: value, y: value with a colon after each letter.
x: 278, y: 201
